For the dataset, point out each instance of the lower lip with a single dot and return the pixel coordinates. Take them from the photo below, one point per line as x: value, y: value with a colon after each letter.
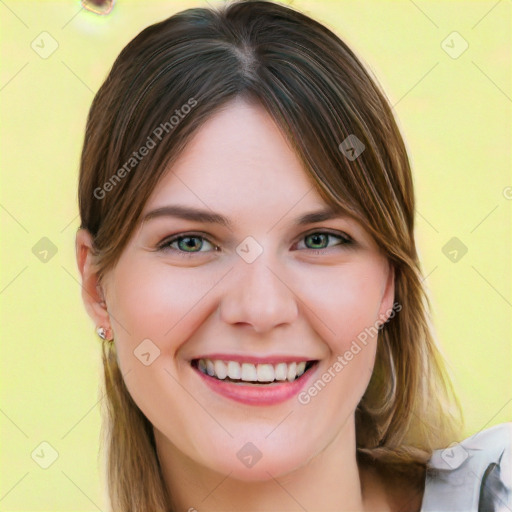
x: 258, y: 395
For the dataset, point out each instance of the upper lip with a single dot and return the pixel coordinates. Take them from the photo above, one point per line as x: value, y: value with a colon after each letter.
x: 270, y: 359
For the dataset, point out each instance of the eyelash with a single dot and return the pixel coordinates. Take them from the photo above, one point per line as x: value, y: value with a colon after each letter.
x: 165, y: 244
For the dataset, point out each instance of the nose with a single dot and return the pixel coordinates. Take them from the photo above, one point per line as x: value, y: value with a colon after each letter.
x: 259, y: 294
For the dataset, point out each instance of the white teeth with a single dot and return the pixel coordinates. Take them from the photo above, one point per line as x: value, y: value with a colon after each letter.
x: 265, y: 373
x: 300, y: 368
x: 280, y: 371
x: 249, y: 372
x: 234, y: 371
x: 209, y: 368
x: 292, y: 371
x: 221, y: 370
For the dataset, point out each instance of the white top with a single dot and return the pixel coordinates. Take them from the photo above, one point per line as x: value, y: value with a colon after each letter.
x: 474, y: 475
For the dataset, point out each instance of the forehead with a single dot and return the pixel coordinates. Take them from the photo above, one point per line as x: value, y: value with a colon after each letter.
x: 238, y: 161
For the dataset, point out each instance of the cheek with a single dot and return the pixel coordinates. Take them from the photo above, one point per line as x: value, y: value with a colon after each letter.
x: 163, y: 305
x: 347, y: 305
x: 159, y: 303
x: 346, y: 302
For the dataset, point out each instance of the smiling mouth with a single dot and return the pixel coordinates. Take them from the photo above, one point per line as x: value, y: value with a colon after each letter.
x: 264, y: 374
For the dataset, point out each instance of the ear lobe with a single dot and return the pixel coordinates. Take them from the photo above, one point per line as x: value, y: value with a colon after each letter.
x: 388, y: 297
x: 92, y: 293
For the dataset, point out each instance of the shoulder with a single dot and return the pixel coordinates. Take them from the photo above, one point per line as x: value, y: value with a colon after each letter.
x: 473, y: 475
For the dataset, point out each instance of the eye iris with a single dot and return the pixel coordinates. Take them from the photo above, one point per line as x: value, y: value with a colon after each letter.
x: 316, y: 237
x: 187, y: 244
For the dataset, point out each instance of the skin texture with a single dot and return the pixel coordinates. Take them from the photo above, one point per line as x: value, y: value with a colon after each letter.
x: 292, y: 300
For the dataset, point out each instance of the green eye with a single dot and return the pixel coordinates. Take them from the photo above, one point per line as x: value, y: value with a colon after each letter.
x: 320, y: 240
x: 186, y: 244
x: 189, y: 243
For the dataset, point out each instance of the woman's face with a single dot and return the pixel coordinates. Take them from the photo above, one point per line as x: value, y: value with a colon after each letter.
x: 249, y: 299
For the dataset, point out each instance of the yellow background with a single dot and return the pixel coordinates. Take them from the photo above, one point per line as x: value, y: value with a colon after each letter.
x: 455, y: 115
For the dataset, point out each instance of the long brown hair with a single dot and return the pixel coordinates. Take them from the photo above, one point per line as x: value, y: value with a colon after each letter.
x: 162, y: 87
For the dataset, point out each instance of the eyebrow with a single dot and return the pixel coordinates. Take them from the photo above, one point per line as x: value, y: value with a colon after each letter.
x: 209, y: 217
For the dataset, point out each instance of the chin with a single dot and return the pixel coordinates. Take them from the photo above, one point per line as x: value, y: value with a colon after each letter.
x: 251, y: 466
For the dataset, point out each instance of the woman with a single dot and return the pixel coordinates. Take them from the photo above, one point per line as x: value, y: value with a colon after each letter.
x: 248, y: 257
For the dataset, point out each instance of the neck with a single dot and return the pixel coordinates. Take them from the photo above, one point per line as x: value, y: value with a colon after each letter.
x: 330, y: 481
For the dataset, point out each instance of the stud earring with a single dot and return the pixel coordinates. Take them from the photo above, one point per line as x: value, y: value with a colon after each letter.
x: 102, y: 333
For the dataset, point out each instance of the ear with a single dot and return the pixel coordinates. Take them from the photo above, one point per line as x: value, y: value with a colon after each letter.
x: 386, y: 309
x: 92, y: 293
